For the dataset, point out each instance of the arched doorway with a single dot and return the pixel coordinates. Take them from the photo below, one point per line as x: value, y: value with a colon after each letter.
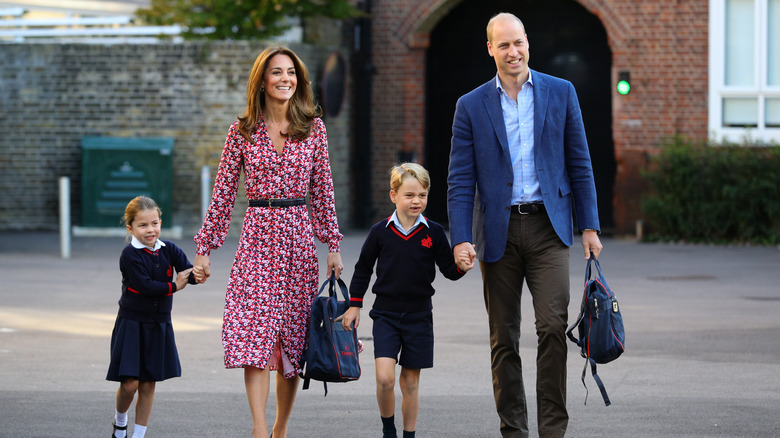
x: 565, y: 40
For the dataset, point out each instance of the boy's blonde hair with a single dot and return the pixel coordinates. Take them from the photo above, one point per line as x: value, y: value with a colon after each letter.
x: 401, y: 172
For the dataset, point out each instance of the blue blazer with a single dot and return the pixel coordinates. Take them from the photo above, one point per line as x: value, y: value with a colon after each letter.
x: 480, y: 171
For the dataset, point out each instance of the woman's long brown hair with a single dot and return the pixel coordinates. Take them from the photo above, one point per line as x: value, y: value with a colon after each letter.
x: 301, y: 110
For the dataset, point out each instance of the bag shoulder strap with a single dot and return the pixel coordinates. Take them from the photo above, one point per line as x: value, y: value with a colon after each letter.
x: 596, y: 377
x: 570, y: 331
x: 307, y: 381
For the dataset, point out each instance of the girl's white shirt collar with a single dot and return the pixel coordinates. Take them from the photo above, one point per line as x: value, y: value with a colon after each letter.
x: 138, y: 245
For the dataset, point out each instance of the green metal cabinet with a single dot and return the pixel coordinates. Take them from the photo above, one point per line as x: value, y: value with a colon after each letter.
x: 115, y: 170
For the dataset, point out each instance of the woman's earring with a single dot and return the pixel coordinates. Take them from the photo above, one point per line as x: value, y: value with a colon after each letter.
x: 262, y: 89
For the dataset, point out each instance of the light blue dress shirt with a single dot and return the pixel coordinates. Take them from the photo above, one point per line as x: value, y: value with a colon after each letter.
x: 519, y: 122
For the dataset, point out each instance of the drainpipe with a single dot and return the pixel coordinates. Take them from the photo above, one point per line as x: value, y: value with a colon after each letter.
x: 362, y: 74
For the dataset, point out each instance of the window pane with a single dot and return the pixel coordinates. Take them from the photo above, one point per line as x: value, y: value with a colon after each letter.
x: 740, y: 112
x: 773, y: 45
x: 739, y: 42
x: 773, y: 113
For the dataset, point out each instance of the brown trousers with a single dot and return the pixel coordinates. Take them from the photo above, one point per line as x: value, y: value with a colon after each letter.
x: 536, y: 255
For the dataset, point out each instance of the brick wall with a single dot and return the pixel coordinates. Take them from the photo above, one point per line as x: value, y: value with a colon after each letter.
x: 662, y: 43
x: 53, y: 95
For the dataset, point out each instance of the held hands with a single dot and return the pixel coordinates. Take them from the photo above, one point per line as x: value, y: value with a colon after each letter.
x: 182, y: 278
x: 202, y: 268
x: 199, y: 273
x: 464, y: 255
x: 464, y: 261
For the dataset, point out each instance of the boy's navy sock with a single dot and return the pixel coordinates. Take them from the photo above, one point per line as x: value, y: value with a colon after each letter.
x: 408, y: 434
x: 388, y: 427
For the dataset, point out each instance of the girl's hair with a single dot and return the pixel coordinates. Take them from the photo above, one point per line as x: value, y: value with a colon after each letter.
x: 401, y: 172
x: 301, y: 110
x: 137, y: 205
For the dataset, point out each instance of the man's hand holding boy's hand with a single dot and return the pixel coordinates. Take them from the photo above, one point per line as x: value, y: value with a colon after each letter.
x: 464, y: 261
x: 464, y: 255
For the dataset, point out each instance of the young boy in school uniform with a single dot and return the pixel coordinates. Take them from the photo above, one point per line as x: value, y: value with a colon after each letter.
x: 406, y: 248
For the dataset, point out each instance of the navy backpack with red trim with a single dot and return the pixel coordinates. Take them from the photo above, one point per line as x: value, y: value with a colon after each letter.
x: 332, y: 352
x: 600, y: 326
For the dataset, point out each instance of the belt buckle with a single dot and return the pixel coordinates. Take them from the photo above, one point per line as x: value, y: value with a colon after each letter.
x: 270, y: 203
x: 519, y: 209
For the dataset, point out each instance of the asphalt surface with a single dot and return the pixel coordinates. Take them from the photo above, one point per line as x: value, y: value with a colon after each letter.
x: 702, y: 360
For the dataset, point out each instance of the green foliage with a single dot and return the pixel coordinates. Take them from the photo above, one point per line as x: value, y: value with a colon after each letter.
x: 711, y: 193
x: 239, y: 19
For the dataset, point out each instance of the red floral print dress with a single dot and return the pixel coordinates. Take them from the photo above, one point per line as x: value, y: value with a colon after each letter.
x: 275, y: 272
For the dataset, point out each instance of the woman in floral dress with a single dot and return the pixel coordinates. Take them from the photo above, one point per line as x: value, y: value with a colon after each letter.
x: 281, y: 145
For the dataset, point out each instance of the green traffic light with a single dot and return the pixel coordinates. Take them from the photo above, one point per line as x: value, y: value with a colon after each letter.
x: 623, y: 87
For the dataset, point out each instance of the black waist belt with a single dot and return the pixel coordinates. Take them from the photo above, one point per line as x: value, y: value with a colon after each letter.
x: 277, y: 202
x: 528, y: 208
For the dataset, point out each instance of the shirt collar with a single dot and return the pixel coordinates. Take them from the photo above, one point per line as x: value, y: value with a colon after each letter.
x: 529, y: 81
x: 138, y: 245
x: 394, y: 218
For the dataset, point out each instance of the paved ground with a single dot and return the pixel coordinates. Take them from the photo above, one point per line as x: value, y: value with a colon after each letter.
x: 702, y: 360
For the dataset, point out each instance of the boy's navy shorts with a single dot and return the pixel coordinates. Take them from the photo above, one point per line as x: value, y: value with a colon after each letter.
x: 411, y: 334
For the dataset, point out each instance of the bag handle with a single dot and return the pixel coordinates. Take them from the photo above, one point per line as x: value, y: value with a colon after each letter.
x: 595, y: 261
x: 331, y: 283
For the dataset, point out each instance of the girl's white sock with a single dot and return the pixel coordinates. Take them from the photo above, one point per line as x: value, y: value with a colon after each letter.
x: 120, y: 418
x: 139, y: 431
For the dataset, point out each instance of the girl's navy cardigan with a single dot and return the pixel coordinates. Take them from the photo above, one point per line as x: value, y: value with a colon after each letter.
x: 147, y: 281
x: 405, y: 266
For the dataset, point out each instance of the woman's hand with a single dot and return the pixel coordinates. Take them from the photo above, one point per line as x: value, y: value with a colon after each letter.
x: 334, y: 264
x: 202, y: 268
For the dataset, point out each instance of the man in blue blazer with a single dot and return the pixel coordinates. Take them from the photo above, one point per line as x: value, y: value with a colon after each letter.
x: 519, y: 170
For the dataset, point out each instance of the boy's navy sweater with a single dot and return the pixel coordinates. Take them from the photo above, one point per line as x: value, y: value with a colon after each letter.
x: 147, y: 286
x: 405, y: 266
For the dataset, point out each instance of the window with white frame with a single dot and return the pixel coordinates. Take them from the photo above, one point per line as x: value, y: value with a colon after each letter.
x: 744, y: 70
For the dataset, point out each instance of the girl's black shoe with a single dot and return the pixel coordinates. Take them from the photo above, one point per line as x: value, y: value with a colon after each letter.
x: 117, y: 428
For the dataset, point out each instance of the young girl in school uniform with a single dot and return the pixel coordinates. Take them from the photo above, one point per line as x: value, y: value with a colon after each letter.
x: 143, y: 349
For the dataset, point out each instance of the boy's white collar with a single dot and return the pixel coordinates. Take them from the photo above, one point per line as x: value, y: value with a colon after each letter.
x: 138, y: 245
x: 394, y: 218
